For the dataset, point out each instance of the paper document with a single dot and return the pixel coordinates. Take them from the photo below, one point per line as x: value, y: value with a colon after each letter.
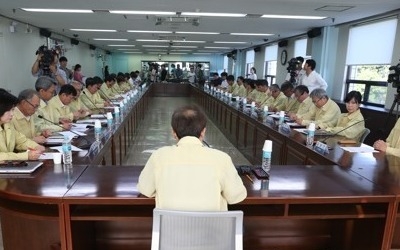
x: 363, y: 149
x: 70, y: 134
x: 91, y: 121
x: 101, y: 116
x: 73, y: 148
x: 47, y: 156
x: 54, y: 140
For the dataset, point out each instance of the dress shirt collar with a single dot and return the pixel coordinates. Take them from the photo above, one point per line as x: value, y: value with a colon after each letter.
x: 19, y: 115
x: 189, y: 140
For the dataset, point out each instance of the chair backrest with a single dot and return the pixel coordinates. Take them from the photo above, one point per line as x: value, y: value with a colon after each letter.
x: 364, y: 135
x: 182, y: 230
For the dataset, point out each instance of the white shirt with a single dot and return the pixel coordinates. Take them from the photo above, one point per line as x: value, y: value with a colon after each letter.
x: 313, y: 81
x: 253, y: 76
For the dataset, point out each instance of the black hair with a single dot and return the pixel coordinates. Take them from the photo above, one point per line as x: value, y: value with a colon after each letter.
x: 224, y: 74
x: 188, y: 121
x: 230, y: 78
x: 356, y: 95
x: 78, y: 66
x: 68, y: 89
x: 286, y: 85
x: 97, y: 80
x: 63, y: 59
x: 90, y: 82
x: 301, y: 89
x: 311, y: 63
x: 7, y: 101
x: 109, y: 79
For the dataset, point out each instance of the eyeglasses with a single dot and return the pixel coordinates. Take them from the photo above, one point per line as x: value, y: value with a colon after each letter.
x: 317, y: 100
x: 33, y: 106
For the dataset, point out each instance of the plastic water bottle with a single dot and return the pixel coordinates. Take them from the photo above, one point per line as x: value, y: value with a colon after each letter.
x: 265, y: 113
x: 310, y: 135
x: 116, y: 113
x: 97, y: 130
x: 266, y: 156
x: 109, y: 120
x: 281, y: 117
x: 67, y: 151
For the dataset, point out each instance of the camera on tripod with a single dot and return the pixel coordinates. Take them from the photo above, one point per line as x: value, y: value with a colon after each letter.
x: 394, y: 78
x: 46, y: 59
x: 292, y: 68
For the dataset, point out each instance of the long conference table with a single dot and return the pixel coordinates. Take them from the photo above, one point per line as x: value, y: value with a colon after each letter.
x: 337, y: 200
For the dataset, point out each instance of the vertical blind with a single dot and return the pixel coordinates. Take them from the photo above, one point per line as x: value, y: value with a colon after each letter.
x: 271, y: 53
x: 371, y: 43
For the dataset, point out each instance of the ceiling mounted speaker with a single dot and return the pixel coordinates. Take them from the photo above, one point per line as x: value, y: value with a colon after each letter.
x: 74, y: 41
x: 283, y: 43
x: 314, y: 32
x: 229, y: 55
x: 234, y: 52
x: 44, y: 32
x: 257, y: 49
x: 92, y: 47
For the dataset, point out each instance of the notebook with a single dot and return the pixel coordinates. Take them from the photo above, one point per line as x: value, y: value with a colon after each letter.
x: 25, y: 167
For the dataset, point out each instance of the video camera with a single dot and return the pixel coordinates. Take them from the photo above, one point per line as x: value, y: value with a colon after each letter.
x: 293, y: 65
x: 46, y: 59
x: 394, y: 78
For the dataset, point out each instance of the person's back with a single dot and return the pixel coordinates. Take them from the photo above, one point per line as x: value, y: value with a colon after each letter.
x: 190, y: 176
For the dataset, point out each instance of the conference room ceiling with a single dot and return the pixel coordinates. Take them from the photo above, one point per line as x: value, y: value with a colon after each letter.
x: 334, y: 11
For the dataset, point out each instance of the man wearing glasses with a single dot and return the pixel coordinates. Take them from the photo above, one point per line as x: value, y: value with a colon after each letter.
x: 28, y: 103
x: 306, y: 104
x: 325, y: 114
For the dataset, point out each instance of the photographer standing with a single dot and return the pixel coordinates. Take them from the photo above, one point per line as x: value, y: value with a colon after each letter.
x: 46, y: 65
x: 295, y: 71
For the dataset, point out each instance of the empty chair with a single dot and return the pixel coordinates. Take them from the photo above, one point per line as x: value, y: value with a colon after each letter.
x: 183, y: 230
x: 364, y: 135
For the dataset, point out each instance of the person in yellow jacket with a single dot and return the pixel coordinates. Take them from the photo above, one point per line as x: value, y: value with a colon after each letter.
x: 106, y: 90
x: 90, y: 96
x: 77, y: 105
x: 58, y: 106
x: 392, y: 144
x: 14, y: 146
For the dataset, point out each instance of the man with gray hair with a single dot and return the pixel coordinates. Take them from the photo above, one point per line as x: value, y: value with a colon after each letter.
x: 45, y: 86
x: 325, y: 114
x: 24, y: 112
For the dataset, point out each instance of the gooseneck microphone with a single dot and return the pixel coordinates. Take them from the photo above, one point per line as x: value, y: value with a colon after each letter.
x: 94, y: 105
x: 108, y: 99
x: 82, y: 146
x: 326, y: 137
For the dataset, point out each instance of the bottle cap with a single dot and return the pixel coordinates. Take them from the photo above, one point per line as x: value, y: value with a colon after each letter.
x: 244, y: 100
x: 126, y: 100
x: 267, y: 146
x: 253, y: 104
x: 282, y: 113
x: 311, y: 126
x: 109, y: 116
x: 265, y: 108
x: 230, y: 95
x: 97, y: 124
x: 121, y: 104
x: 116, y: 110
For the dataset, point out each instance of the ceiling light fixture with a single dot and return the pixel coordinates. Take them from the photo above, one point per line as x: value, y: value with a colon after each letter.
x: 230, y: 42
x: 197, y: 33
x: 155, y: 46
x: 294, y: 17
x: 142, y: 12
x: 111, y: 39
x: 217, y: 47
x: 149, y: 31
x: 121, y: 45
x: 93, y: 30
x: 151, y: 40
x: 250, y: 34
x: 186, y: 41
x: 182, y: 46
x: 57, y: 10
x: 210, y: 14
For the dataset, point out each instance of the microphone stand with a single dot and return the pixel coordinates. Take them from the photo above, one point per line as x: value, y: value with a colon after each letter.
x: 326, y: 137
x: 94, y: 105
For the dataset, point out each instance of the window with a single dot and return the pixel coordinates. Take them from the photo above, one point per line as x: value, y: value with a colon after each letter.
x: 368, y: 60
x: 271, y: 55
x: 300, y: 47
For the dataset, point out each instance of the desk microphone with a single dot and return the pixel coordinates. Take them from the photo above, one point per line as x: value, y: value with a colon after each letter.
x: 326, y: 137
x: 94, y: 105
x: 82, y: 146
x: 108, y: 99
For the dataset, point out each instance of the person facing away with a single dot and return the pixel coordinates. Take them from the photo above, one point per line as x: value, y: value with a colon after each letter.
x: 189, y: 176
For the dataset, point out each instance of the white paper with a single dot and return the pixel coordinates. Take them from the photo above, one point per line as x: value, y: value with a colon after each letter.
x: 301, y: 130
x: 80, y: 126
x: 54, y: 140
x: 70, y: 134
x: 91, y: 121
x: 294, y: 124
x: 97, y: 116
x: 46, y: 156
x: 363, y: 149
x: 73, y: 148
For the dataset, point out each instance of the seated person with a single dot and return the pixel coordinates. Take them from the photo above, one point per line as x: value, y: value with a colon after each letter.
x: 352, y: 100
x: 45, y: 86
x: 58, y: 107
x: 250, y: 89
x: 76, y: 105
x: 106, y: 90
x: 240, y: 90
x: 262, y: 93
x: 392, y: 144
x: 306, y: 104
x: 23, y: 119
x: 277, y: 99
x: 190, y: 176
x: 232, y: 85
x: 215, y: 81
x: 90, y: 96
x: 14, y: 145
x: 325, y: 114
x: 291, y: 104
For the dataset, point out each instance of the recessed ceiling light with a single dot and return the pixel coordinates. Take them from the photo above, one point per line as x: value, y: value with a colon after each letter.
x: 94, y: 30
x: 132, y: 52
x: 202, y: 53
x: 177, y: 53
x: 187, y: 41
x: 110, y: 39
x: 182, y: 46
x: 57, y: 10
x: 180, y: 50
x: 217, y: 47
x: 149, y: 31
x: 128, y: 49
x: 142, y: 12
x: 151, y: 40
x: 121, y: 45
x: 212, y: 14
x: 230, y: 42
x: 294, y: 17
x: 155, y: 46
x: 250, y: 34
x: 199, y: 33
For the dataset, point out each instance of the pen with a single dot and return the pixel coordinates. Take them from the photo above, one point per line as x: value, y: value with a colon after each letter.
x: 248, y: 177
